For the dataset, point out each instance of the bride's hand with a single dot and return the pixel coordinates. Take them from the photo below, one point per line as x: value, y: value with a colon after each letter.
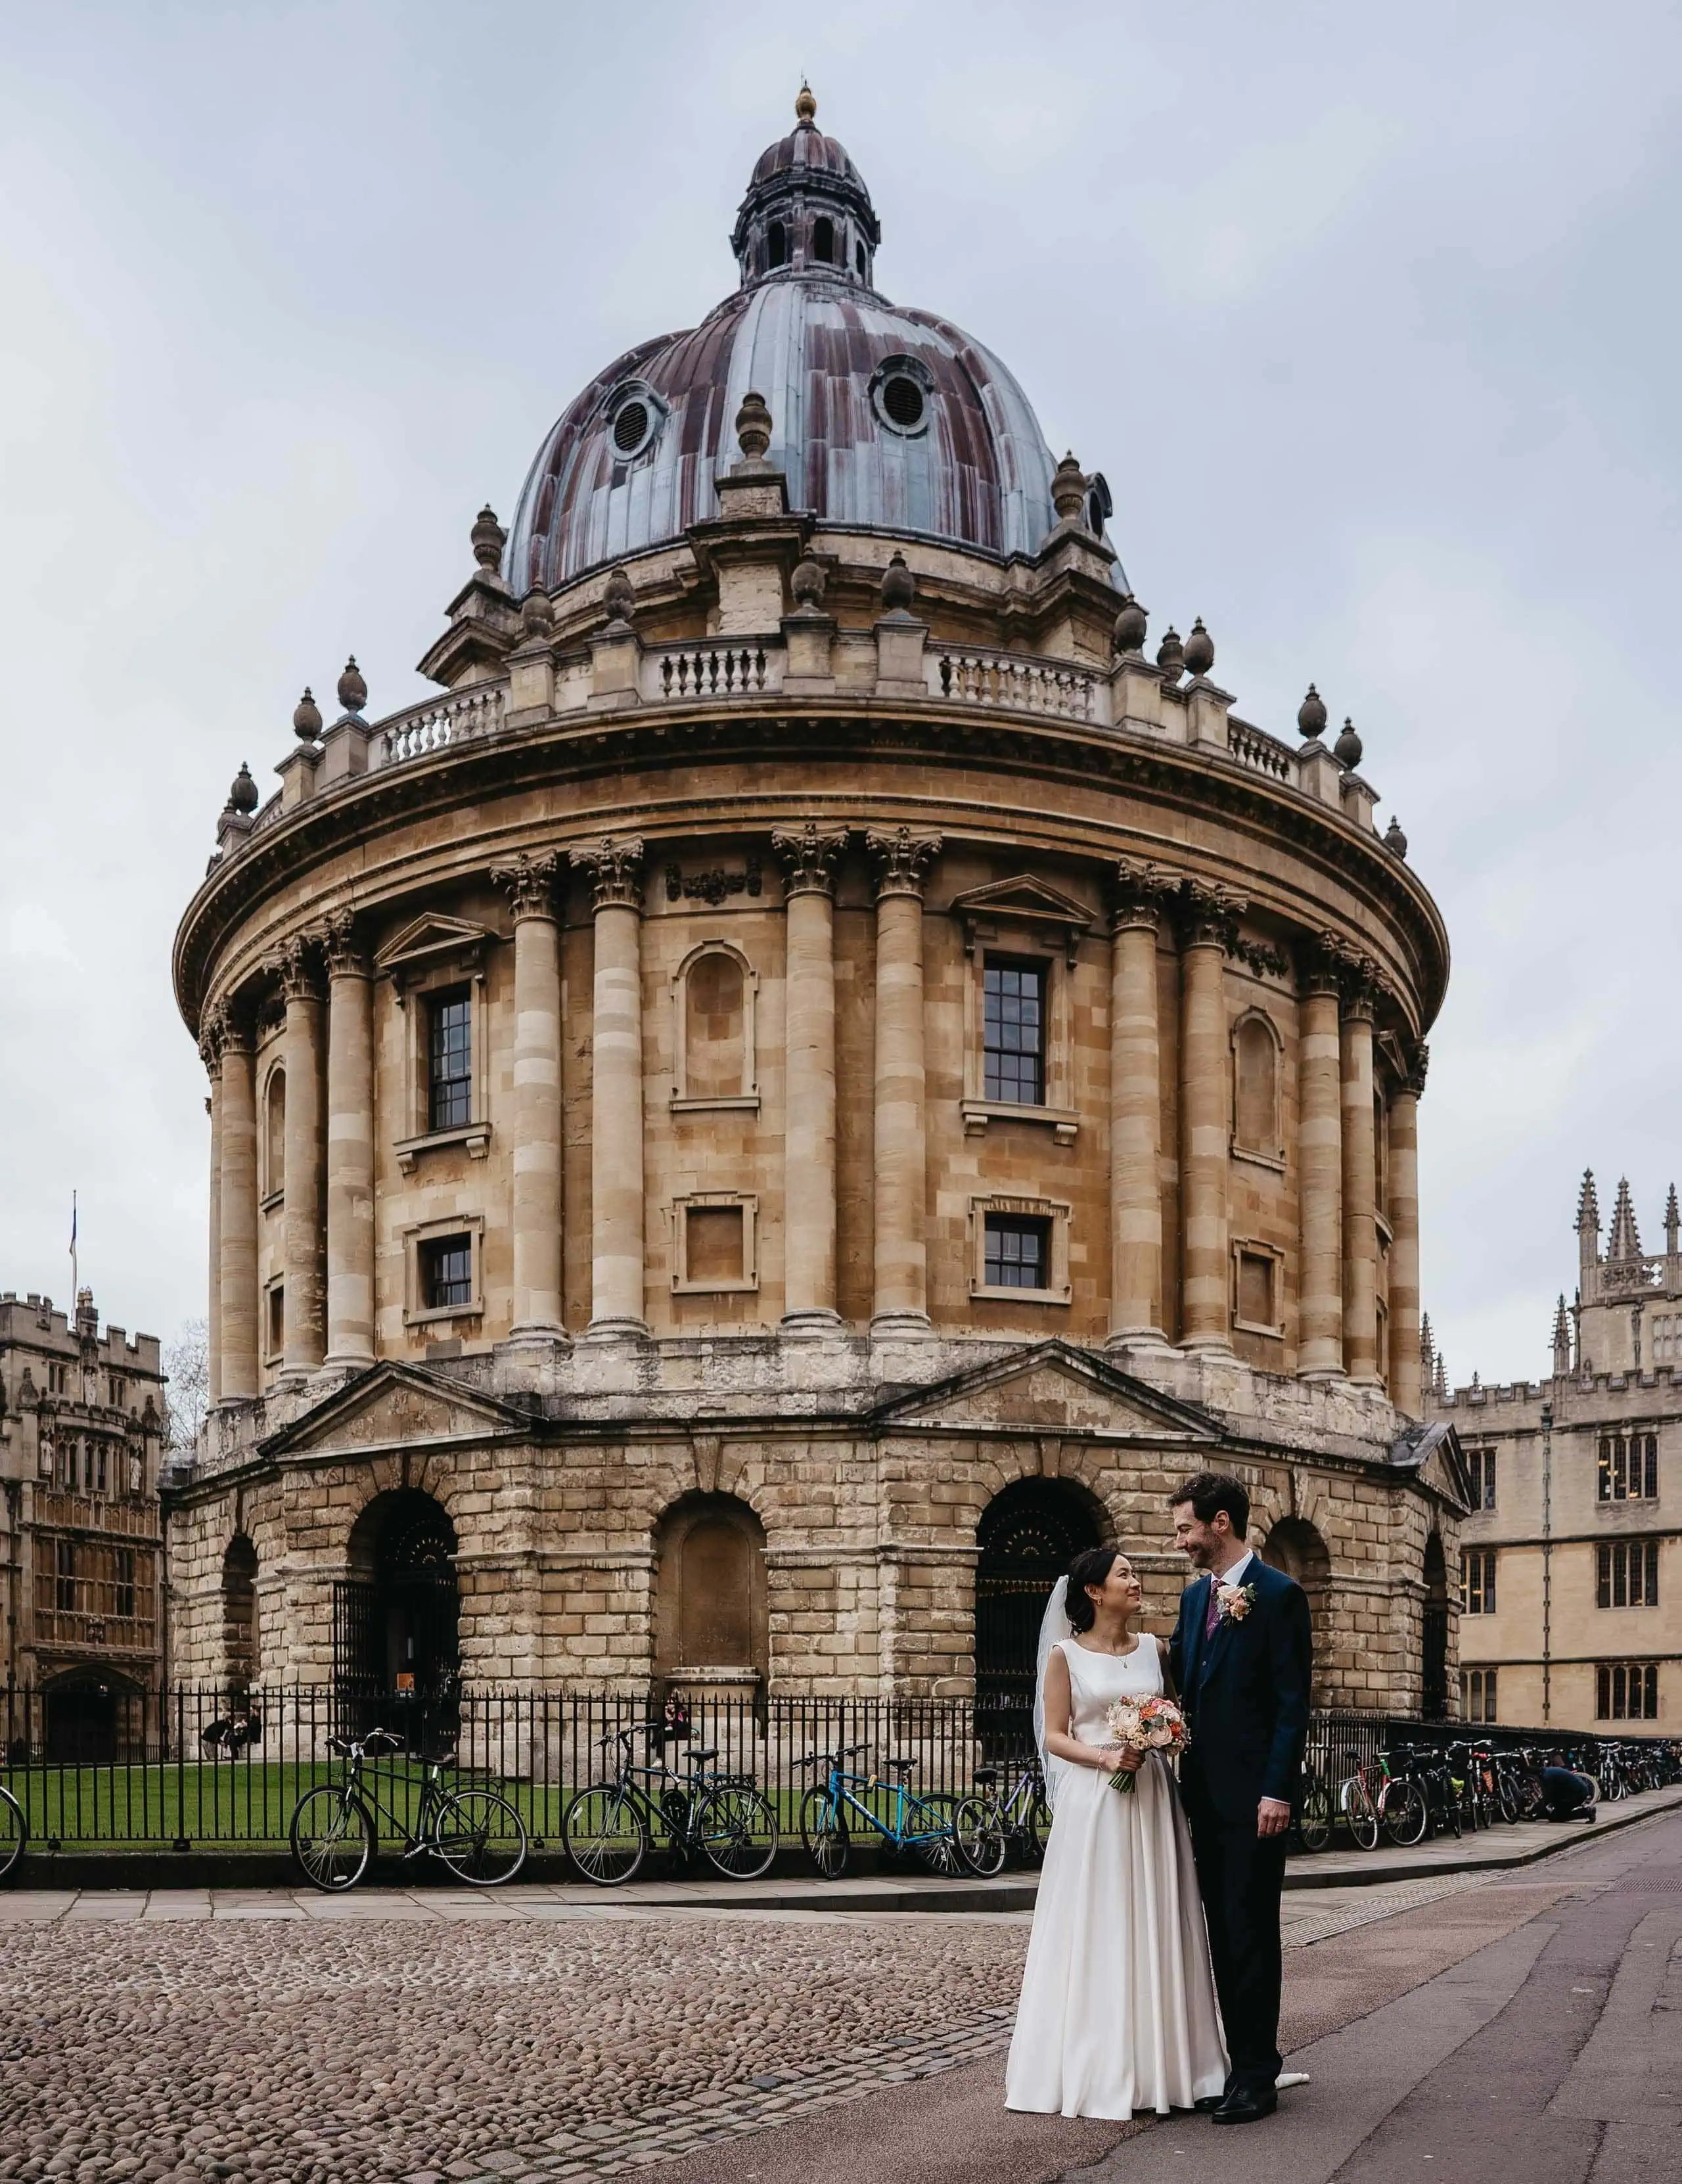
x: 1121, y: 1759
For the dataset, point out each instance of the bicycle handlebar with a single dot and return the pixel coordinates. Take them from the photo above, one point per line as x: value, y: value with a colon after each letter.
x: 829, y: 1758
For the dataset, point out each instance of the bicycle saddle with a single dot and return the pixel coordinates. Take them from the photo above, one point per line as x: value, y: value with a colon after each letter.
x: 899, y: 1766
x: 986, y: 1774
x: 705, y: 1752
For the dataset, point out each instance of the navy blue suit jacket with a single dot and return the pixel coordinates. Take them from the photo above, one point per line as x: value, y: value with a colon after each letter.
x: 1244, y: 1690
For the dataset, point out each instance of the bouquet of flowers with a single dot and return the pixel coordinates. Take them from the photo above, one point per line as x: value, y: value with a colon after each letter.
x: 1152, y: 1724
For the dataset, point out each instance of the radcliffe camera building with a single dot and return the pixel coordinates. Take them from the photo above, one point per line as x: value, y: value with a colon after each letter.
x: 1571, y: 1570
x: 816, y: 1077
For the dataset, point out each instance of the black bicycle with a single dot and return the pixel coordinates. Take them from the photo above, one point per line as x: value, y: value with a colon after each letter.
x: 474, y: 1830
x: 609, y: 1827
x: 1001, y: 1822
x: 13, y: 1833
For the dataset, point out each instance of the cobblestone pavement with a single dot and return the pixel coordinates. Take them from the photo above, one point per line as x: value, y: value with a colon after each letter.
x: 257, y: 2034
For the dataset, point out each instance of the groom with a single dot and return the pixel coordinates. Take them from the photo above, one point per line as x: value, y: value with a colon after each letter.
x: 1241, y: 1655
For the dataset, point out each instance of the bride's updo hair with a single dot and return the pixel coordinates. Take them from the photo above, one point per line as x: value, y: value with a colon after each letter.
x: 1090, y: 1567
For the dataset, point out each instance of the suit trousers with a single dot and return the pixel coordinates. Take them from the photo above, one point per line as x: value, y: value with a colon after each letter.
x: 1242, y: 1875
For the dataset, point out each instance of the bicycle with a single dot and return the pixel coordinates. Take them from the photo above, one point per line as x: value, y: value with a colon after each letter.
x: 1003, y: 1822
x: 608, y: 1827
x: 938, y: 1830
x: 475, y: 1831
x: 13, y: 1833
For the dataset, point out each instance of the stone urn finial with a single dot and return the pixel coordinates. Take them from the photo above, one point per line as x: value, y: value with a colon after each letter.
x: 1395, y: 839
x: 488, y: 538
x: 899, y: 585
x: 537, y: 616
x: 1311, y: 714
x: 1069, y: 489
x: 620, y: 598
x: 1171, y: 654
x: 807, y: 584
x: 752, y: 427
x: 242, y: 792
x: 306, y: 720
x: 1131, y: 624
x: 352, y: 690
x: 1199, y: 650
x: 1346, y: 750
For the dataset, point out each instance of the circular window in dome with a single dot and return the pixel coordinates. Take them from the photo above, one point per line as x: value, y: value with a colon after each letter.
x: 901, y: 391
x: 634, y: 417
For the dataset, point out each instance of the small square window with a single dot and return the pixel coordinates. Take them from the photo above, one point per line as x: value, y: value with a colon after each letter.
x: 1256, y: 1305
x: 449, y: 1060
x: 1018, y: 1252
x: 714, y: 1246
x: 1014, y: 1043
x: 446, y: 1272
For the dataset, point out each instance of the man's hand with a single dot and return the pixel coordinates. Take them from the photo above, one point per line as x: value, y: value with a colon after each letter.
x: 1273, y: 1817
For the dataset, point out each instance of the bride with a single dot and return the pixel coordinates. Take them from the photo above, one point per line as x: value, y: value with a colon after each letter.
x: 1118, y: 2009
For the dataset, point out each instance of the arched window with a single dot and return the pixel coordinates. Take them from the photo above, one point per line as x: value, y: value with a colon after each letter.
x: 1433, y: 1633
x: 274, y: 1134
x: 859, y: 259
x: 1295, y: 1546
x: 709, y: 1589
x: 395, y: 1614
x: 715, y: 993
x: 823, y: 241
x: 1256, y: 1086
x: 1028, y: 1534
x: 776, y: 244
x: 239, y: 1612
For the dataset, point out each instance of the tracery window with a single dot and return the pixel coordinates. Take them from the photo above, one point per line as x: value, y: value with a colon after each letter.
x: 1626, y: 1574
x: 1626, y: 1690
x: 1477, y: 1581
x: 1628, y: 1468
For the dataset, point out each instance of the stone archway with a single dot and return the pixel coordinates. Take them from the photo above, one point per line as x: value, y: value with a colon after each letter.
x: 1028, y: 1534
x: 711, y: 1624
x: 1433, y: 1648
x: 395, y: 1611
x: 1295, y: 1546
x: 239, y: 1614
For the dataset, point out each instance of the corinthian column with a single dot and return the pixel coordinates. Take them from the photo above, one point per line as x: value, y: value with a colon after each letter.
x: 1205, y: 1279
x: 350, y: 1148
x: 1406, y: 1392
x: 616, y: 1090
x: 901, y: 859
x: 536, y: 1095
x: 1136, y: 1106
x: 305, y: 1330
x: 808, y: 861
x: 1359, y: 1182
x: 210, y: 1054
x: 1319, y: 1349
x: 236, y: 1205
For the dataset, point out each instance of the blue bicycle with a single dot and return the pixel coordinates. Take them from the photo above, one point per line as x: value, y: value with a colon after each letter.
x: 939, y: 1828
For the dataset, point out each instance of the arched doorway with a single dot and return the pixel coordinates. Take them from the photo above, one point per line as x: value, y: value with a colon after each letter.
x: 1295, y: 1546
x: 239, y: 1613
x: 395, y: 1612
x: 1433, y: 1664
x: 709, y: 1593
x: 1028, y: 1534
x: 91, y: 1720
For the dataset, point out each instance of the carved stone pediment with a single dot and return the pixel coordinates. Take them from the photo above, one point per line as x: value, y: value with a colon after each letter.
x: 1434, y: 1454
x: 1055, y: 919
x: 433, y: 942
x: 1052, y: 1386
x: 396, y: 1407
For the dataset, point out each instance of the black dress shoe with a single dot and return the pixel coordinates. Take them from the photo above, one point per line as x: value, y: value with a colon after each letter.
x: 1247, y: 2104
x: 1209, y: 2103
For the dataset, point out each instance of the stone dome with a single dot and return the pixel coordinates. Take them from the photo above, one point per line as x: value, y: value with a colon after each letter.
x: 882, y: 417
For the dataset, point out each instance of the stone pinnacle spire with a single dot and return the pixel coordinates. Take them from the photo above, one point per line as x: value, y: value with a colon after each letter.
x: 1561, y: 1340
x: 1588, y: 1205
x: 1624, y: 1244
x: 1672, y: 1222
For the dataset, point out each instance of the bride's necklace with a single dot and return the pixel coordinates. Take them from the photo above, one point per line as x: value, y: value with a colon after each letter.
x: 1115, y: 1653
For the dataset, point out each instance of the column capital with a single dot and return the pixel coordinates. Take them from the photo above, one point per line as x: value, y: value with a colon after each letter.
x: 1360, y: 987
x: 211, y: 1032
x: 1416, y: 1060
x: 347, y: 957
x: 529, y: 882
x: 296, y: 964
x: 809, y: 857
x: 901, y: 859
x: 615, y: 870
x: 1208, y: 914
x: 1141, y: 894
x: 231, y: 1029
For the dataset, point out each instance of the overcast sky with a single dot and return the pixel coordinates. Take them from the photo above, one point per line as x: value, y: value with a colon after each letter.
x: 1370, y: 315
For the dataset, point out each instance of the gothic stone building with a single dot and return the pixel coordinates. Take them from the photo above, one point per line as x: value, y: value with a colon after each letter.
x: 1571, y: 1574
x: 814, y: 1079
x: 81, y: 1434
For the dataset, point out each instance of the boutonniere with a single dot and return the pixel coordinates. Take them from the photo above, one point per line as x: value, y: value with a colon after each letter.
x: 1233, y: 1602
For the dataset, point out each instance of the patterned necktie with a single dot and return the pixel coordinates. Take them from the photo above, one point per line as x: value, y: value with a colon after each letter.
x: 1214, y: 1615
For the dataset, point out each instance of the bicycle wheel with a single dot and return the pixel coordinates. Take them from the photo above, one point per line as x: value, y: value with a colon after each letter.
x: 480, y: 1837
x: 1448, y: 1809
x: 738, y: 1832
x: 934, y: 1835
x: 332, y: 1838
x: 980, y: 1836
x: 823, y: 1830
x: 1402, y: 1810
x: 1031, y: 1835
x: 605, y: 1833
x: 1314, y: 1822
x: 13, y: 1834
x: 1360, y: 1813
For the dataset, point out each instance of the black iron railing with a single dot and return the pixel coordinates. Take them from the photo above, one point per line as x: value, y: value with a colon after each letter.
x: 188, y: 1766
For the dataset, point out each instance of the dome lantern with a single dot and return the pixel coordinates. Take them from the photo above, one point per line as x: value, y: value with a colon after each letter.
x: 807, y: 210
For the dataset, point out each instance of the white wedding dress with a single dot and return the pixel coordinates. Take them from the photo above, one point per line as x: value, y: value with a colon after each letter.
x: 1117, y: 2011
